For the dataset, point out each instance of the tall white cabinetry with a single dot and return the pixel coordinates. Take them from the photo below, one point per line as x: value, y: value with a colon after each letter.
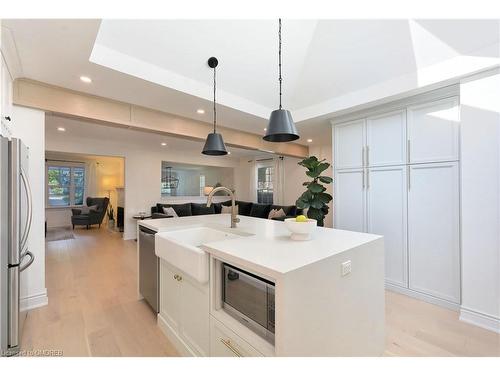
x: 397, y: 175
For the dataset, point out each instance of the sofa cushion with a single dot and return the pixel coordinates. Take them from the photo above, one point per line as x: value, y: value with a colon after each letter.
x: 181, y: 209
x: 202, y: 209
x: 289, y: 210
x: 260, y: 210
x: 243, y: 207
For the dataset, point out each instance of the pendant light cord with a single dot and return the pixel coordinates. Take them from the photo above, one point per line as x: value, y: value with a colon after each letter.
x: 279, y: 57
x: 215, y: 111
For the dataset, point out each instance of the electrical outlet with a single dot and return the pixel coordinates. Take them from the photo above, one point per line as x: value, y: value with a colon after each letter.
x: 346, y: 268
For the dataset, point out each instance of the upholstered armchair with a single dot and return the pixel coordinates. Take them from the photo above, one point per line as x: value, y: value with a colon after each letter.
x: 96, y: 208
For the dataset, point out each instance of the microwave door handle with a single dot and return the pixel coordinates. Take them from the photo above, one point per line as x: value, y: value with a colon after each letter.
x: 30, y: 262
x: 29, y: 217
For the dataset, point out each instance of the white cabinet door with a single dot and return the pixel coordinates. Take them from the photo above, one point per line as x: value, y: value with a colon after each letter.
x: 194, y: 327
x: 349, y: 200
x: 170, y: 296
x: 349, y: 141
x: 386, y: 216
x: 433, y: 230
x: 386, y: 139
x: 433, y: 131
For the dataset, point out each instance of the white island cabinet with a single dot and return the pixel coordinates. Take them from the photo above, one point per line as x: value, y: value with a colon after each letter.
x: 328, y: 292
x: 184, y: 311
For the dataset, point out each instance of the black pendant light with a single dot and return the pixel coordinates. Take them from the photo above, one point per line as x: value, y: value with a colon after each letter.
x: 281, y: 127
x: 214, y: 145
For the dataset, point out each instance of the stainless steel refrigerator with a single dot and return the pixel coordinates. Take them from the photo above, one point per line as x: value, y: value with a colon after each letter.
x: 15, y: 224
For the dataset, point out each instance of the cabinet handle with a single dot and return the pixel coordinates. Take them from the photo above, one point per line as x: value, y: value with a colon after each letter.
x: 176, y: 277
x: 7, y: 118
x: 230, y: 347
x: 367, y: 178
x: 363, y: 156
x: 363, y: 178
x: 409, y: 177
x: 408, y: 150
x: 367, y: 156
x: 179, y: 278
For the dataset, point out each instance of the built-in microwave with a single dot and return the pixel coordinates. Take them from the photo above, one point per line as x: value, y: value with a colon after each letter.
x: 249, y: 299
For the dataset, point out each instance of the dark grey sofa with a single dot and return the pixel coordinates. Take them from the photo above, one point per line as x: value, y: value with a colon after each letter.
x: 244, y: 208
x: 94, y: 216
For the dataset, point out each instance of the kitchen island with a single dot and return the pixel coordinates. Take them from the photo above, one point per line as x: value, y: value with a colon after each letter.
x: 328, y: 292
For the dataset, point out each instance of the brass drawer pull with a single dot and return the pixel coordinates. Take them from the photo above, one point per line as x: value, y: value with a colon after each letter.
x: 230, y: 347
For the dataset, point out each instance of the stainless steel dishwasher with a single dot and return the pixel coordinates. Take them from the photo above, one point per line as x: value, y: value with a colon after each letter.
x: 149, y: 268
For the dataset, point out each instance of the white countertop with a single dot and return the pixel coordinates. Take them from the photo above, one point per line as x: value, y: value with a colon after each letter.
x: 266, y: 246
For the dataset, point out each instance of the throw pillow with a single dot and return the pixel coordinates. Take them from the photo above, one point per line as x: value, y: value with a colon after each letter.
x: 276, y: 213
x: 170, y: 211
x: 227, y: 209
x: 85, y: 210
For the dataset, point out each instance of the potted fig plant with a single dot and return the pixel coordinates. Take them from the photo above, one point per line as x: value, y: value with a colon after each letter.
x: 315, y: 199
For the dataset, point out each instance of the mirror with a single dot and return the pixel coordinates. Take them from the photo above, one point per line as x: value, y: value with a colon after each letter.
x: 179, y: 179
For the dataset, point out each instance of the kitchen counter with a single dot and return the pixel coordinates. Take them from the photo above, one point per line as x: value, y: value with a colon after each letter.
x: 329, y: 291
x: 265, y: 245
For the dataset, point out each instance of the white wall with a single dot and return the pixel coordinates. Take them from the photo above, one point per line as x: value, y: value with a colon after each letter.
x: 29, y: 125
x: 143, y: 156
x: 480, y: 200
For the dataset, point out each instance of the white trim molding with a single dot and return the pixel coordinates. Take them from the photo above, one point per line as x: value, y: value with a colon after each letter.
x: 479, y: 319
x: 34, y: 301
x: 422, y: 296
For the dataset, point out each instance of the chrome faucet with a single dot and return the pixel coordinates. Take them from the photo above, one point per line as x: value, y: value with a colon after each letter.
x: 234, y: 218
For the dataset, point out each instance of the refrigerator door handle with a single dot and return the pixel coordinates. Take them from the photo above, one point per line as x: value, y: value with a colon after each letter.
x: 30, y: 262
x: 29, y: 216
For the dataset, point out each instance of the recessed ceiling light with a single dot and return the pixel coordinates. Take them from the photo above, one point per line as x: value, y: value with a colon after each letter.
x: 61, y: 129
x: 309, y: 140
x: 265, y: 129
x: 229, y: 152
x: 163, y: 144
x: 200, y: 111
x: 85, y: 79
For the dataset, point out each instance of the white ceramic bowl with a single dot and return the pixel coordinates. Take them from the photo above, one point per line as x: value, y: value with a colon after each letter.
x: 301, y: 231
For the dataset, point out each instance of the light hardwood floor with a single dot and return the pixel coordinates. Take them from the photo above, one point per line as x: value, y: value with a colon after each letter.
x: 93, y: 310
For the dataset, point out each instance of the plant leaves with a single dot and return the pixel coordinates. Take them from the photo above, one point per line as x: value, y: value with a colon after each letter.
x: 326, y: 179
x: 306, y: 196
x: 306, y: 183
x: 302, y: 204
x: 310, y: 162
x: 316, y: 203
x: 324, y: 197
x: 314, y: 213
x: 317, y: 170
x: 314, y: 187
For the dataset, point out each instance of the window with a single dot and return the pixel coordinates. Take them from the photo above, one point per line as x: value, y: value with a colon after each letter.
x: 65, y: 185
x: 202, y: 185
x: 265, y: 177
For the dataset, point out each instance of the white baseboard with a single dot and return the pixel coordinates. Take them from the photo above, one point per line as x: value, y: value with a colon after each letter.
x: 34, y: 301
x: 422, y: 296
x: 476, y: 318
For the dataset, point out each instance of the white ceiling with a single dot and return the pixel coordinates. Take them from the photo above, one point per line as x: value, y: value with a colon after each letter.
x: 162, y: 64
